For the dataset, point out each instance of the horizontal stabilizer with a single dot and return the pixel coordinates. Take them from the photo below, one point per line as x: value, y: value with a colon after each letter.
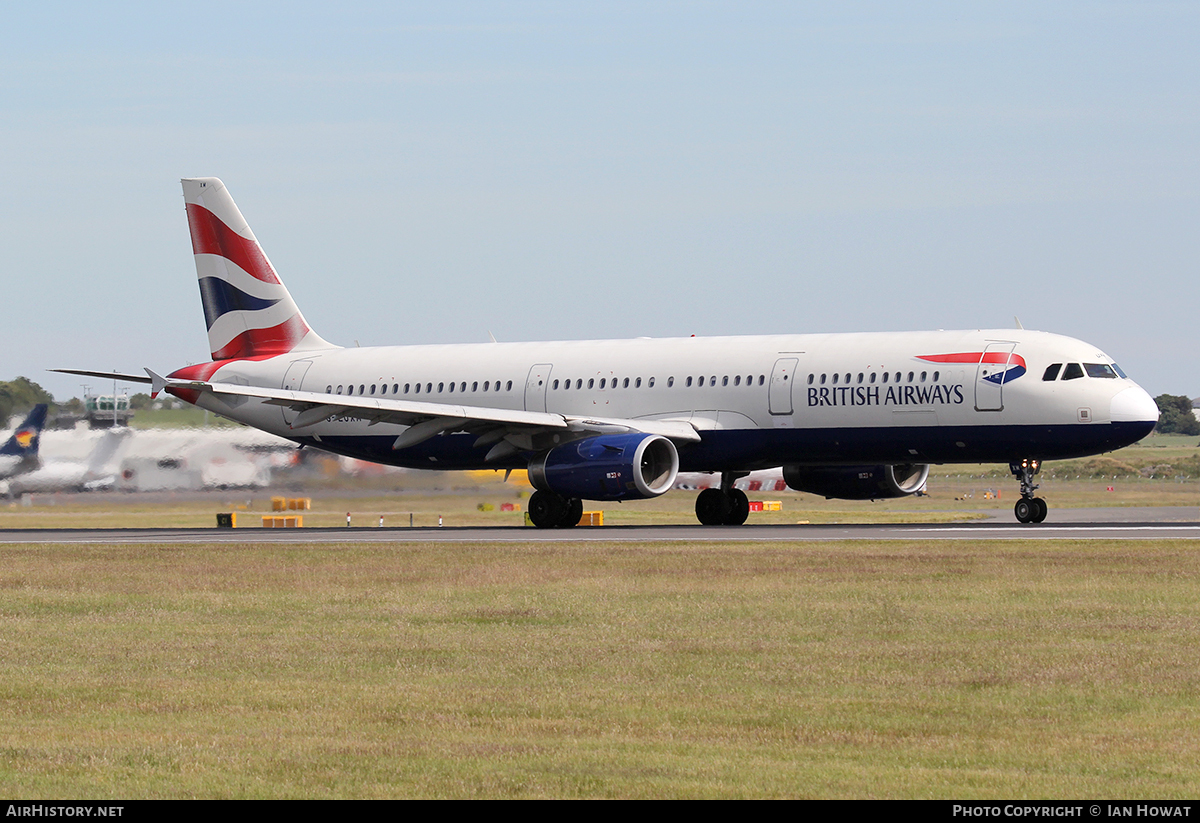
x: 106, y: 375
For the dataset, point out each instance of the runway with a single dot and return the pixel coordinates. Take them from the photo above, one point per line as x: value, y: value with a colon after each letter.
x: 1174, y: 523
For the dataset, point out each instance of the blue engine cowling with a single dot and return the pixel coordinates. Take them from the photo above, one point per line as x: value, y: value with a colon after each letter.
x: 858, y: 482
x: 608, y: 467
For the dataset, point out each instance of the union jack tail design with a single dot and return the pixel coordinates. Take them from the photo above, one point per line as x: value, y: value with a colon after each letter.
x: 246, y: 306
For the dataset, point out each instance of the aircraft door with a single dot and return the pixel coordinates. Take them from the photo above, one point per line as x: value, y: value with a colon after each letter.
x: 292, y: 381
x: 782, y: 378
x: 990, y: 375
x: 536, y: 386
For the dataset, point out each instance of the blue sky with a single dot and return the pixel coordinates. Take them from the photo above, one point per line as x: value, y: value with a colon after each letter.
x: 430, y: 172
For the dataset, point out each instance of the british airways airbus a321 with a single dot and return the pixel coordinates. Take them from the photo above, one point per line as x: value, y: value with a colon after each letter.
x: 856, y: 416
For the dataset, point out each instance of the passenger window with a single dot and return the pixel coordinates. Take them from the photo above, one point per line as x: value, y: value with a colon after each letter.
x: 329, y: 389
x: 872, y: 377
x: 885, y: 377
x: 1051, y: 372
x: 922, y: 377
x: 440, y: 387
x: 626, y: 383
x: 637, y: 384
x: 339, y: 391
x: 475, y: 386
x: 936, y: 375
x: 508, y: 386
x: 591, y: 383
x: 650, y: 383
x: 860, y: 378
x: 737, y: 379
x: 835, y: 378
x: 670, y: 382
x: 1072, y: 371
x: 822, y: 380
x: 725, y: 380
x: 451, y: 388
x: 418, y: 391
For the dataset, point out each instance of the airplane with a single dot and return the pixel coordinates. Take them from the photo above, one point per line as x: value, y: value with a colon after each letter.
x: 763, y: 480
x: 19, y: 454
x: 857, y: 416
x: 95, y: 473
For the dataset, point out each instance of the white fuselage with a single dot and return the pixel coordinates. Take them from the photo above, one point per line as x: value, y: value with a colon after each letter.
x: 825, y: 399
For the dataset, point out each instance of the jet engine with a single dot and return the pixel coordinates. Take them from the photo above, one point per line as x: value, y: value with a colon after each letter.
x: 858, y: 482
x: 608, y: 467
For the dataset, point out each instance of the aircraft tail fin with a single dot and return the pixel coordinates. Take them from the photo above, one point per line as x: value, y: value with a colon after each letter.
x: 248, y: 310
x: 104, y: 452
x: 25, y: 439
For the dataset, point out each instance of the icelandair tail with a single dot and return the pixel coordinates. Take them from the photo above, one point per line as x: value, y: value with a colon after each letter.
x: 247, y: 308
x: 24, y: 441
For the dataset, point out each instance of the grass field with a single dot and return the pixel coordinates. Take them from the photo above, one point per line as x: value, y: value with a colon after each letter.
x: 846, y: 669
x: 954, y: 670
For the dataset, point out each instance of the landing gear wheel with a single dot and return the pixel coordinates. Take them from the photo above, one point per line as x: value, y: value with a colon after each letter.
x: 739, y: 508
x: 1024, y: 510
x: 546, y: 509
x: 1040, y: 510
x: 713, y: 507
x: 571, y: 514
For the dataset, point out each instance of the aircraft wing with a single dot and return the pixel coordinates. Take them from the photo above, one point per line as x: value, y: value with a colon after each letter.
x: 511, y: 430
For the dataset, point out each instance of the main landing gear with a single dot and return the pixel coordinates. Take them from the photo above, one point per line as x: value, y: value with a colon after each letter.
x: 725, y: 506
x: 1029, y: 509
x: 548, y: 510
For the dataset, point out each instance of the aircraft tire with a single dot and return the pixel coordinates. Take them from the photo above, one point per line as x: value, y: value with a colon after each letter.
x: 546, y: 509
x: 712, y: 507
x: 739, y: 508
x: 1040, y: 510
x: 1024, y: 510
x: 571, y: 513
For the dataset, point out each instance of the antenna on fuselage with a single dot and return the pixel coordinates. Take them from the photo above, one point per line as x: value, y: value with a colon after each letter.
x: 1018, y: 322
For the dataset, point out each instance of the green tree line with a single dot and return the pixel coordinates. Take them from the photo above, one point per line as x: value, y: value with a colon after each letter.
x: 21, y: 395
x: 1175, y: 415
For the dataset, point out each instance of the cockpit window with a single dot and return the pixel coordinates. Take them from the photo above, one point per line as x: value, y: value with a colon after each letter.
x: 1052, y: 371
x: 1072, y: 371
x: 1100, y: 370
x: 1120, y: 373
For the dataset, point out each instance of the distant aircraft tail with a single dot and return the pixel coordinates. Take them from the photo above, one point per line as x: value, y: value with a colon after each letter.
x: 246, y: 306
x: 25, y: 439
x: 101, y: 456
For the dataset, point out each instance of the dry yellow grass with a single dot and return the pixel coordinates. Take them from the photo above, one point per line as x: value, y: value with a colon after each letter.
x: 584, y: 670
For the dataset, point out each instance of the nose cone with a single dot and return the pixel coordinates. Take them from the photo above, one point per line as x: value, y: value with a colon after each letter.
x: 1134, y: 405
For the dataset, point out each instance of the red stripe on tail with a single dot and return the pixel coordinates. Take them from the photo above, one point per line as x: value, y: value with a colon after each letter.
x: 279, y: 339
x: 211, y: 236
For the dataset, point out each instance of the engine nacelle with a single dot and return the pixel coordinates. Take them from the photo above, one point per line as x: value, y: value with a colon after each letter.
x: 858, y: 482
x: 608, y: 467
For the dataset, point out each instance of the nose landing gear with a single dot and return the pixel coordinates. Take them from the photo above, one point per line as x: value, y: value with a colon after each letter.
x: 1029, y: 509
